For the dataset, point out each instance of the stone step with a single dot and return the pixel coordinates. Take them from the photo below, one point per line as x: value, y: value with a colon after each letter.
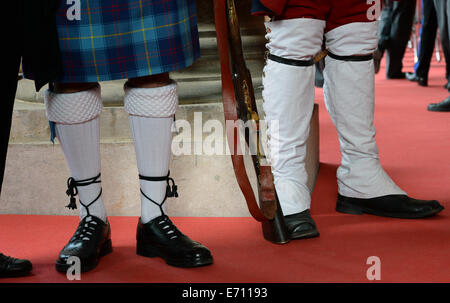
x: 36, y: 173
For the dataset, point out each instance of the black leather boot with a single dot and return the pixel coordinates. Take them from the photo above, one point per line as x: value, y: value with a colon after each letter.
x: 301, y: 225
x: 91, y: 240
x: 394, y: 206
x: 161, y: 238
x: 12, y: 267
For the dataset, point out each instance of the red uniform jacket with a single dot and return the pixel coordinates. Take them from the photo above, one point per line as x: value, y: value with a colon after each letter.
x: 335, y: 12
x: 289, y: 9
x: 281, y: 7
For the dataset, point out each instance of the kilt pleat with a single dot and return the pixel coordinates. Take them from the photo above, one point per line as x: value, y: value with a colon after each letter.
x: 120, y: 39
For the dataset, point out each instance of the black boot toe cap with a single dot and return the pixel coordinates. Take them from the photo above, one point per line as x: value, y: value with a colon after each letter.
x: 301, y: 225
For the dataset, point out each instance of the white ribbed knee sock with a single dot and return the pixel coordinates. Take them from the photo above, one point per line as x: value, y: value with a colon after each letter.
x: 152, y: 141
x: 81, y: 146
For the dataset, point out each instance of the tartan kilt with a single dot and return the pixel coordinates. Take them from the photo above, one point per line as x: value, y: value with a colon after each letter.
x: 121, y: 39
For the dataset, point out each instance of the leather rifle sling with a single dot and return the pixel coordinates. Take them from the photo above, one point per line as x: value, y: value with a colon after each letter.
x: 230, y: 111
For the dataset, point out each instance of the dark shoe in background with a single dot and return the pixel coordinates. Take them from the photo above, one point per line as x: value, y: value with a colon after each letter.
x: 12, y: 267
x: 443, y: 106
x: 415, y: 78
x: 397, y: 76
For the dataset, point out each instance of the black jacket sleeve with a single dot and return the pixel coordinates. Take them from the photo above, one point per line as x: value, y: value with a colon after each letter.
x: 41, y: 55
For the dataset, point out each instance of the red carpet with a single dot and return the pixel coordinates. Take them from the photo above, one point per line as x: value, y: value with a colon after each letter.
x: 414, y: 147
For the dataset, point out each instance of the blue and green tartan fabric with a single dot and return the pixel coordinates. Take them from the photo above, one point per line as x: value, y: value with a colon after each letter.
x: 120, y: 39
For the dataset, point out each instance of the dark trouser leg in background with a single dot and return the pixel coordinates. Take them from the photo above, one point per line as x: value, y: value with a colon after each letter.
x: 443, y: 16
x: 402, y: 20
x: 447, y: 58
x: 427, y: 39
x: 10, y: 267
x: 443, y: 106
x: 384, y: 28
x: 11, y: 71
x: 448, y: 14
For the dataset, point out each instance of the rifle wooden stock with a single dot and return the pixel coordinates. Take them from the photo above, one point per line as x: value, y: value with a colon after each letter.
x: 239, y: 103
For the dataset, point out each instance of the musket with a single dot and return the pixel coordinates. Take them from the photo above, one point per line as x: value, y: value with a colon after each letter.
x: 239, y: 104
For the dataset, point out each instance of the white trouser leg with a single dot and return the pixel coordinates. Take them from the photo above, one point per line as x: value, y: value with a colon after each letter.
x: 288, y: 104
x: 76, y: 118
x: 151, y: 117
x: 349, y: 96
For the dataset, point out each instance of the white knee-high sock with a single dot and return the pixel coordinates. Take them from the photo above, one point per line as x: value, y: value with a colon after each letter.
x: 76, y: 118
x: 81, y: 146
x: 152, y: 141
x: 151, y: 116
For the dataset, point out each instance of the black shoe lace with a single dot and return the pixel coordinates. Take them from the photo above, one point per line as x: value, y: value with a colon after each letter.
x: 72, y: 191
x: 171, y: 190
x: 169, y: 228
x: 86, y: 229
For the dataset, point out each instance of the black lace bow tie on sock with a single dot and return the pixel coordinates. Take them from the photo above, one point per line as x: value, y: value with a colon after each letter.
x: 171, y: 189
x: 72, y: 191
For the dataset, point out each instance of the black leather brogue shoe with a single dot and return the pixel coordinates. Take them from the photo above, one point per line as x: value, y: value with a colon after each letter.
x: 161, y: 238
x: 394, y: 206
x: 301, y: 225
x: 12, y: 267
x: 91, y: 241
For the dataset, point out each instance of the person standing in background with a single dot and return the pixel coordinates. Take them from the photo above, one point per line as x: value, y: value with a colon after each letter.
x: 395, y: 26
x: 443, y: 20
x: 427, y: 42
x: 31, y: 39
